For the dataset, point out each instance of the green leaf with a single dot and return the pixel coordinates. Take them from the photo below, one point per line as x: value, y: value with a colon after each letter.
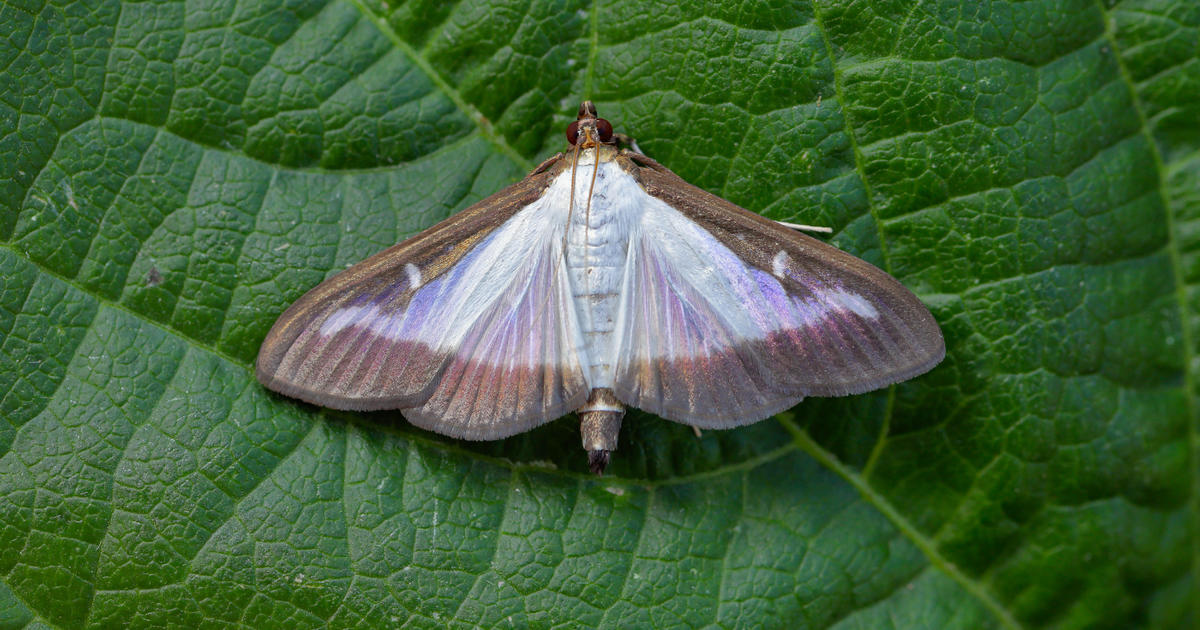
x: 176, y: 173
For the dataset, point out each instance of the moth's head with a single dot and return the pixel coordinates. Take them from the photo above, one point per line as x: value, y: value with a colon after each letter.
x: 588, y: 131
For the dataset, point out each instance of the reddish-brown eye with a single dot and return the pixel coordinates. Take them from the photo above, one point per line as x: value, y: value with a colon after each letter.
x: 573, y: 132
x: 605, y: 129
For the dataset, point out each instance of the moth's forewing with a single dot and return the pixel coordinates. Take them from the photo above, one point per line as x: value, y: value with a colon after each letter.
x: 731, y: 317
x: 413, y: 328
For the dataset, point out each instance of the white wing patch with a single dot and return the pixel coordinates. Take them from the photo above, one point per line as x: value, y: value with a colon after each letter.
x: 854, y: 303
x: 414, y: 274
x: 779, y: 264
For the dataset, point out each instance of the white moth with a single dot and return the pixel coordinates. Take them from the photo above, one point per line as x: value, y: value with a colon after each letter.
x: 600, y: 280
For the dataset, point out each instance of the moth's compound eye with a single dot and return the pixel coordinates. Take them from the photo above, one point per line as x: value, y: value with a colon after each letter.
x: 573, y: 132
x: 605, y: 129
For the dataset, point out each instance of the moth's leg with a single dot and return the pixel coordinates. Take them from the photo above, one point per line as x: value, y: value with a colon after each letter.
x: 806, y: 228
x: 696, y: 430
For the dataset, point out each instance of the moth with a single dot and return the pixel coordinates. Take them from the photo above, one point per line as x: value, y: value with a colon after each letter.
x: 600, y: 281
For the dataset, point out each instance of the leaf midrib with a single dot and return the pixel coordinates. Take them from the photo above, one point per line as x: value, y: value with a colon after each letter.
x: 885, y: 425
x: 1188, y: 351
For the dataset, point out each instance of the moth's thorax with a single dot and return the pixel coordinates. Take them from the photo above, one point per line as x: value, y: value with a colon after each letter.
x: 588, y: 156
x: 598, y: 232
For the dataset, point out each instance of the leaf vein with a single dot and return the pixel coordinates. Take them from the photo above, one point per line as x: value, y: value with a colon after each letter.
x: 634, y: 556
x: 112, y: 483
x: 504, y: 514
x: 485, y: 129
x: 923, y: 543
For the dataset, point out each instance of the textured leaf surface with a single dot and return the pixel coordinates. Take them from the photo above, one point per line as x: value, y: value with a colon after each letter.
x: 176, y: 173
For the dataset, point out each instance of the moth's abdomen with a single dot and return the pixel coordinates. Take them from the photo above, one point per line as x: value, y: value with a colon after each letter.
x: 596, y: 269
x: 597, y: 246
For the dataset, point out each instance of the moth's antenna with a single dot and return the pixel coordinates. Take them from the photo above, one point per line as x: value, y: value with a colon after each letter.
x: 562, y: 253
x: 587, y: 219
x: 571, y: 203
x: 595, y: 169
x: 561, y: 262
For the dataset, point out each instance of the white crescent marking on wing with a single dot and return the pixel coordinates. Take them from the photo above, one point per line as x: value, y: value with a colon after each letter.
x: 414, y: 275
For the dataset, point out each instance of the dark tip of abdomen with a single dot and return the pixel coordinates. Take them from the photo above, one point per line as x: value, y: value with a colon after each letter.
x: 598, y: 461
x: 599, y: 426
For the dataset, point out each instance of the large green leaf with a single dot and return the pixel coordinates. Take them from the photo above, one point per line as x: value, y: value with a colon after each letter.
x: 176, y: 173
